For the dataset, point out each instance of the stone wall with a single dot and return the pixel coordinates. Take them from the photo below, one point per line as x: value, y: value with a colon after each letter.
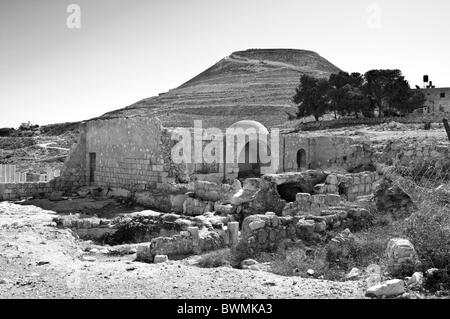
x: 129, y: 153
x: 322, y: 152
x: 191, y: 241
x: 87, y: 228
x: 411, y: 119
x: 266, y: 232
x: 306, y: 204
x: 350, y: 185
x: 74, y: 170
x: 15, y: 191
x: 416, y: 151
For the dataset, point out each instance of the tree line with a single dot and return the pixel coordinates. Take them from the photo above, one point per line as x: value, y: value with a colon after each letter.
x: 377, y: 92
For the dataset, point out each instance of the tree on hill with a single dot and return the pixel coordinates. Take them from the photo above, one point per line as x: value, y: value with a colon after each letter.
x: 390, y: 93
x: 357, y: 95
x: 312, y: 97
x: 346, y: 94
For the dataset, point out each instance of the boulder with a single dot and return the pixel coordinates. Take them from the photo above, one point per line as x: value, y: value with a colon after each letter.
x: 83, y: 191
x: 355, y: 273
x: 401, y: 256
x: 56, y: 196
x: 390, y: 288
x: 194, y: 206
x: 227, y: 209
x: 320, y: 189
x: 416, y: 280
x: 160, y: 259
x: 257, y: 224
x: 437, y: 279
x: 119, y: 193
x: 248, y: 262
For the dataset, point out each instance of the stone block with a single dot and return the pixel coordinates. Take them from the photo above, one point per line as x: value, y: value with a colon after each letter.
x: 400, y: 253
x: 233, y: 230
x: 332, y: 199
x: 303, y: 197
x: 160, y: 259
x: 194, y: 232
x: 257, y: 224
x: 305, y: 227
x: 332, y: 180
x: 390, y: 288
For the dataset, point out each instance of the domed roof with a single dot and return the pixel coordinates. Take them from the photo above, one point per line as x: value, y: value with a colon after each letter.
x: 245, y: 124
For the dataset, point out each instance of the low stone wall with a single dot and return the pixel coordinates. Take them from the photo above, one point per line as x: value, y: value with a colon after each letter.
x: 187, y: 242
x: 141, y: 226
x: 350, y: 185
x: 266, y: 232
x: 16, y: 191
x: 306, y: 203
x: 191, y: 241
x: 414, y: 151
x: 88, y: 228
x: 412, y: 119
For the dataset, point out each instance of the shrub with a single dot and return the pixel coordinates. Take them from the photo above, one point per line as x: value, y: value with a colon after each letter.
x: 429, y: 231
x: 426, y: 173
x: 241, y: 252
x: 296, y: 261
x: 360, y: 253
x: 215, y: 259
x: 5, y: 131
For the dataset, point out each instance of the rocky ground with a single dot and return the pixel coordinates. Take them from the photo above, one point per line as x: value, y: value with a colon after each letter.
x: 38, y: 260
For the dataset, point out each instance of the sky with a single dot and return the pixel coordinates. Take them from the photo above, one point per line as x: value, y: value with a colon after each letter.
x: 58, y: 64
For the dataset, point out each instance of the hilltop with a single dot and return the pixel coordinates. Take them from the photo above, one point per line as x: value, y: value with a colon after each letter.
x: 254, y: 84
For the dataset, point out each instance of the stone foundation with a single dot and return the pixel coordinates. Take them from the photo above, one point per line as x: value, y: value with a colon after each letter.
x: 266, y: 232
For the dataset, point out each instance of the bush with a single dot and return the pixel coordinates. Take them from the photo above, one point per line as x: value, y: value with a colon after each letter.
x: 429, y: 231
x: 6, y: 132
x: 426, y: 173
x: 360, y: 253
x: 215, y: 259
x: 241, y: 252
x: 297, y: 260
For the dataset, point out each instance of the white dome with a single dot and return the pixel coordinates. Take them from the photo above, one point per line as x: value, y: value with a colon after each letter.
x: 245, y: 124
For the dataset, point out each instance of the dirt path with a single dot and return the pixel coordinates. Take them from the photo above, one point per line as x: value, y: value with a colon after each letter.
x: 46, y: 145
x: 38, y: 260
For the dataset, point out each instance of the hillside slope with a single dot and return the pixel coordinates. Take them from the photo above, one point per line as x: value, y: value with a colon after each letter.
x: 254, y: 84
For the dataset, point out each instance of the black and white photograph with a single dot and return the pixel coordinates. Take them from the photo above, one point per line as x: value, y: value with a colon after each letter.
x: 255, y: 151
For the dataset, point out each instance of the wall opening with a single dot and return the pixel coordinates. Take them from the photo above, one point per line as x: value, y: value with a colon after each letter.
x: 92, y: 166
x: 301, y: 159
x: 289, y: 191
x: 246, y: 168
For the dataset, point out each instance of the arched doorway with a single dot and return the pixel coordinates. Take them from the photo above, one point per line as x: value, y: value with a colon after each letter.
x: 301, y: 159
x: 249, y: 168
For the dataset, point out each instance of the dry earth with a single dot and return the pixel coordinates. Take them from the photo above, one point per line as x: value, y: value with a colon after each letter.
x: 37, y: 260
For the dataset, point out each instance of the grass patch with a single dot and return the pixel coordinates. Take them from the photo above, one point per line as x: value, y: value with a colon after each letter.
x: 215, y: 259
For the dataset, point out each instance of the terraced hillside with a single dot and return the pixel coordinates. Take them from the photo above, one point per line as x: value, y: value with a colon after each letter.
x: 254, y: 84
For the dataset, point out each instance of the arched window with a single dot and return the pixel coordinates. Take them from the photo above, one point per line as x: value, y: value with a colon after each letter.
x: 301, y: 159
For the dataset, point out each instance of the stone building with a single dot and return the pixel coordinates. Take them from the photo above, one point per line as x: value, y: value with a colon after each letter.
x: 437, y: 100
x: 136, y: 154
